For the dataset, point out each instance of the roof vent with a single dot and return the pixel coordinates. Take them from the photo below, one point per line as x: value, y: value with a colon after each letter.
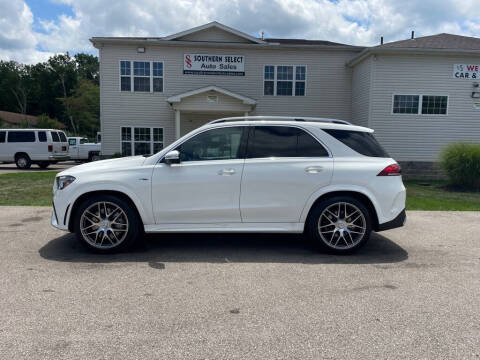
x: 381, y: 40
x: 413, y: 34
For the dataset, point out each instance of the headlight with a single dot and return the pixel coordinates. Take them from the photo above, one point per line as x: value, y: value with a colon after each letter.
x: 64, y: 181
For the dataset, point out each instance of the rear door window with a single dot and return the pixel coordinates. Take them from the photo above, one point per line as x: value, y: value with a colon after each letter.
x: 21, y: 136
x: 63, y: 138
x: 362, y: 142
x: 2, y: 136
x: 55, y: 136
x: 72, y: 142
x: 42, y: 136
x: 283, y: 141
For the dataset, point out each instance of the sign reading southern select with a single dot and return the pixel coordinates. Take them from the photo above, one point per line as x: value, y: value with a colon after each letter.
x: 466, y: 71
x: 214, y: 64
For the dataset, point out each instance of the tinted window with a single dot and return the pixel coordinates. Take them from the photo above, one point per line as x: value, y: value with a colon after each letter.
x: 217, y: 144
x: 72, y: 142
x: 283, y: 141
x: 63, y: 138
x: 362, y: 142
x: 55, y: 136
x: 21, y: 136
x: 2, y: 136
x: 307, y: 146
x: 83, y: 141
x: 42, y: 136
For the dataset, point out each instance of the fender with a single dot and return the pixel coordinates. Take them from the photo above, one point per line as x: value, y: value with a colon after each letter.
x: 340, y: 187
x: 110, y: 185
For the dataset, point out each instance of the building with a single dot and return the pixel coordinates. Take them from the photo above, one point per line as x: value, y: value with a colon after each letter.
x: 13, y: 120
x: 418, y: 94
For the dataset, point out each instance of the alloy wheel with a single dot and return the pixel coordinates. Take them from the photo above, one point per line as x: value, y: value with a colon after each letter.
x: 342, y: 225
x: 104, y: 225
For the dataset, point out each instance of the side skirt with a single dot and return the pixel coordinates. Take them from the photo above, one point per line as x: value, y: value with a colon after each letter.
x: 227, y: 228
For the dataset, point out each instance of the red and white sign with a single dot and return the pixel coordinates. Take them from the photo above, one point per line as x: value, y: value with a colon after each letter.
x: 466, y: 71
x: 214, y: 64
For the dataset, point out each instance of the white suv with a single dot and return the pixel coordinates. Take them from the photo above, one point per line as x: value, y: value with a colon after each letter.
x: 327, y: 178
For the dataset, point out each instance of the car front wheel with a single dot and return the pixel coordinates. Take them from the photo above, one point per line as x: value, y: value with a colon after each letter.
x: 106, y: 224
x: 340, y: 225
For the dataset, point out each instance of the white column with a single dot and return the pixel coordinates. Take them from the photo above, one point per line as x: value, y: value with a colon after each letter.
x: 177, y: 124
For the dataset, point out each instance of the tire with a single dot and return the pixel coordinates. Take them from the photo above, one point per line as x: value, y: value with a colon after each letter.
x: 23, y: 161
x: 43, y: 164
x: 125, y: 224
x: 330, y: 230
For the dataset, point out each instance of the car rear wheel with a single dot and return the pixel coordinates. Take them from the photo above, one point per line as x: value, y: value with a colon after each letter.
x: 106, y: 224
x: 340, y: 224
x: 23, y: 161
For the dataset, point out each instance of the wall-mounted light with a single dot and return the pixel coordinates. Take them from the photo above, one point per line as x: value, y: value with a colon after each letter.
x: 140, y: 49
x: 475, y: 92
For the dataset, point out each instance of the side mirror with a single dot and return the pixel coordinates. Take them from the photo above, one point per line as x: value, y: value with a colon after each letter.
x: 172, y: 157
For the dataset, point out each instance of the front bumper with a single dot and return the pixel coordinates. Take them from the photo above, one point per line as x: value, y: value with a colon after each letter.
x: 399, y: 221
x: 57, y: 220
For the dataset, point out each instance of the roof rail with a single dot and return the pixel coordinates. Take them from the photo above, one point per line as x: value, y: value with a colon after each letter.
x: 279, y: 118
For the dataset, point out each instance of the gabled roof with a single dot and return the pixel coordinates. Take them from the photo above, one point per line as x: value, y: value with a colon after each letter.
x: 446, y: 43
x: 303, y: 42
x: 16, y: 119
x: 439, y: 41
x: 215, y: 24
x: 179, y: 97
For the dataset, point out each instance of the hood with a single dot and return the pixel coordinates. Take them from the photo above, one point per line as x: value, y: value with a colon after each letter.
x: 105, y: 165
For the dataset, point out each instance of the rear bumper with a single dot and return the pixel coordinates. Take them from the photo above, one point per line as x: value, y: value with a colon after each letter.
x: 399, y: 221
x: 59, y: 157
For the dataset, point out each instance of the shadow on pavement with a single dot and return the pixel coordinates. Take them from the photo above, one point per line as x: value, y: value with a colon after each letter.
x: 223, y: 248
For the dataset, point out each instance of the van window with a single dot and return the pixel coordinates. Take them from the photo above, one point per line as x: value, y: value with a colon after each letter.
x: 2, y: 136
x: 21, y: 136
x: 42, y: 136
x: 55, y: 136
x: 63, y: 138
x: 72, y: 142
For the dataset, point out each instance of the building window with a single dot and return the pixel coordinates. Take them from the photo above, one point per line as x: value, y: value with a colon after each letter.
x: 405, y: 104
x: 420, y: 104
x: 157, y: 77
x: 141, y: 140
x: 147, y: 76
x: 125, y: 76
x: 141, y: 76
x: 434, y: 104
x: 284, y: 80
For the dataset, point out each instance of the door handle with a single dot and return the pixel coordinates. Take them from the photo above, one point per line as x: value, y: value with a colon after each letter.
x: 226, y: 172
x: 313, y: 169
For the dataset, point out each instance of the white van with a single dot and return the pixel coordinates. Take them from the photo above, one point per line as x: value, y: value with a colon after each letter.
x: 33, y: 146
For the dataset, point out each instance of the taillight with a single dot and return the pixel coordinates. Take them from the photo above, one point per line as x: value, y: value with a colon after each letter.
x: 50, y: 148
x: 391, y: 170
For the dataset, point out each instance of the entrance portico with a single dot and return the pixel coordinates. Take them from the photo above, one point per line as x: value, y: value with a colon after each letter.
x: 196, y: 107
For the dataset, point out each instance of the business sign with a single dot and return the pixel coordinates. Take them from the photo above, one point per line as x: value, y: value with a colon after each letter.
x: 466, y: 71
x: 214, y: 64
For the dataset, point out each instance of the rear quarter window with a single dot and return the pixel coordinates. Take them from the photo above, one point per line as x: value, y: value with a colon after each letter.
x: 21, y: 136
x: 2, y: 136
x: 55, y: 136
x: 42, y: 136
x: 362, y: 142
x: 63, y: 138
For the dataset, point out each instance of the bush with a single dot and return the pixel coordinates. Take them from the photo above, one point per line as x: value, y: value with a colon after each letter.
x: 461, y: 162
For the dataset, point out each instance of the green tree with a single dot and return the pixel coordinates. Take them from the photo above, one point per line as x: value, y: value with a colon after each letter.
x: 84, y: 105
x: 45, y: 122
x: 87, y: 67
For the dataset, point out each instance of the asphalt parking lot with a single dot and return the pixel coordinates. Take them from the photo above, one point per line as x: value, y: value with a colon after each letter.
x: 410, y: 293
x: 12, y: 168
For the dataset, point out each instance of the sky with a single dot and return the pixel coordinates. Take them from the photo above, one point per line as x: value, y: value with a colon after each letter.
x: 33, y: 30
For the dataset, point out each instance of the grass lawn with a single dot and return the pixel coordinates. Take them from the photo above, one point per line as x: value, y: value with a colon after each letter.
x: 35, y: 188
x: 434, y: 195
x: 27, y: 188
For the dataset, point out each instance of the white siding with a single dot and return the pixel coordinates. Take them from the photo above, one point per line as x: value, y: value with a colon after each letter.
x: 361, y: 87
x: 421, y: 137
x: 328, y: 86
